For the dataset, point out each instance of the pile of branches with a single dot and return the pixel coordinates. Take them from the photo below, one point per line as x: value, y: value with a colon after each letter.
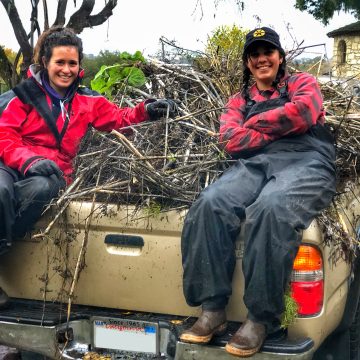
x: 343, y: 115
x: 164, y: 165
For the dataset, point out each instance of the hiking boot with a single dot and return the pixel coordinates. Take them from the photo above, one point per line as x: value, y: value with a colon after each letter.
x: 4, y: 299
x: 209, y: 324
x: 248, y: 340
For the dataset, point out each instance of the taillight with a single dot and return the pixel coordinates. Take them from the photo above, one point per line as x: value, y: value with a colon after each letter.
x: 307, y: 284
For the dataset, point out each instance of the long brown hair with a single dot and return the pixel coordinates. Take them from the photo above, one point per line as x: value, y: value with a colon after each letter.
x: 55, y: 36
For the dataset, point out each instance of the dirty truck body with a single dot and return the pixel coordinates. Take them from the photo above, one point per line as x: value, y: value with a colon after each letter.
x: 129, y: 297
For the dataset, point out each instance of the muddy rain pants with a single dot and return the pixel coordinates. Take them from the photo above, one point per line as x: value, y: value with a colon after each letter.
x: 22, y: 201
x: 274, y: 196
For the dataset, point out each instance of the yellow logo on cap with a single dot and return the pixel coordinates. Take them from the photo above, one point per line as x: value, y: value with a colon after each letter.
x: 259, y: 33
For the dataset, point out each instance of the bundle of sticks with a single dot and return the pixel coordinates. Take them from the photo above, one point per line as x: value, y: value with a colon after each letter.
x: 167, y: 163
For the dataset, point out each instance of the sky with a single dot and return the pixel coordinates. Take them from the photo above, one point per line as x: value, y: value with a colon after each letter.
x: 138, y: 24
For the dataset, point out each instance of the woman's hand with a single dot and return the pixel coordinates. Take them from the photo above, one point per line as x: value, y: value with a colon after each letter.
x: 161, y: 108
x: 44, y: 167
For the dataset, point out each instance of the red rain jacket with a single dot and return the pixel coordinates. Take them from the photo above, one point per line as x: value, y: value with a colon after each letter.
x: 26, y: 136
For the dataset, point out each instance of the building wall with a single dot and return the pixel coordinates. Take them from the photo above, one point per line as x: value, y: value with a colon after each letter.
x: 352, y: 65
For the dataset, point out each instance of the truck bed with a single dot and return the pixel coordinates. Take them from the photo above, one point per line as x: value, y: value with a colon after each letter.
x: 133, y: 264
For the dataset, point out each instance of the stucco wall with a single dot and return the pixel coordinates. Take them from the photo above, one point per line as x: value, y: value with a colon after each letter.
x: 352, y: 64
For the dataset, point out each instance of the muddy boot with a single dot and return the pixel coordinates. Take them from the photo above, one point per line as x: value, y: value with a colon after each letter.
x: 4, y: 299
x: 247, y: 340
x: 209, y: 324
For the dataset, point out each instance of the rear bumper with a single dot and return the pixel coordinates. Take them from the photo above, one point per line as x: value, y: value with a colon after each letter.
x: 42, y: 328
x: 204, y: 352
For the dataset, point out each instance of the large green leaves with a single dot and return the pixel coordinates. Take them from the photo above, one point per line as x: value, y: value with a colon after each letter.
x: 125, y: 72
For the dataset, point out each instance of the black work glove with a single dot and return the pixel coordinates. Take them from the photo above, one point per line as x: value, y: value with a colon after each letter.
x: 44, y: 167
x: 160, y: 108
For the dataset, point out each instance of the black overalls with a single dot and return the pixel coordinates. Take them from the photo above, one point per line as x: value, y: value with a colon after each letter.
x: 275, y: 194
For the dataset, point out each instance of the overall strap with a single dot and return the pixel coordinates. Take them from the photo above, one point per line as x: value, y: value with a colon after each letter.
x: 253, y: 108
x: 30, y: 93
x: 282, y: 88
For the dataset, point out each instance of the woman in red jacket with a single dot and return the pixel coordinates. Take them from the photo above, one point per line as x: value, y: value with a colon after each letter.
x: 283, y: 177
x: 42, y: 122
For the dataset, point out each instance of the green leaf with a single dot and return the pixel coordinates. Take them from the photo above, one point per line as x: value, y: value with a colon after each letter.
x: 138, y: 56
x: 125, y: 56
x: 108, y: 77
x: 134, y: 76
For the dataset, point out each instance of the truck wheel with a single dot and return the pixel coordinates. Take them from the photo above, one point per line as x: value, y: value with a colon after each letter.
x: 355, y: 336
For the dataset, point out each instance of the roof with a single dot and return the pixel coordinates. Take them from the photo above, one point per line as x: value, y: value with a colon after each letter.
x: 351, y: 29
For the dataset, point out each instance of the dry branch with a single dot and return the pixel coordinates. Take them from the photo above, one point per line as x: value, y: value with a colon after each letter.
x: 170, y: 161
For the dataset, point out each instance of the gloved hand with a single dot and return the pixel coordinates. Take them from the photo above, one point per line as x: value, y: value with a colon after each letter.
x: 44, y: 167
x: 159, y: 108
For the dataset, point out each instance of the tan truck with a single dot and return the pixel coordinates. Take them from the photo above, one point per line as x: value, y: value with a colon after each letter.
x: 128, y: 301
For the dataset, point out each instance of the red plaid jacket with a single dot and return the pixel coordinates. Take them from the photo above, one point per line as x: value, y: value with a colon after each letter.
x: 304, y: 109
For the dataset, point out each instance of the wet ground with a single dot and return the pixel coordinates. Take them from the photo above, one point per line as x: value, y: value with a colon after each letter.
x: 7, y: 353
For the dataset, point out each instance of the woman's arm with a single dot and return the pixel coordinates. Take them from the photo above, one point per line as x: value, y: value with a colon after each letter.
x: 234, y: 136
x: 12, y: 150
x: 107, y: 116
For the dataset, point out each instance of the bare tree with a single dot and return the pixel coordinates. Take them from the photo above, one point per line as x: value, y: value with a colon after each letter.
x: 79, y: 20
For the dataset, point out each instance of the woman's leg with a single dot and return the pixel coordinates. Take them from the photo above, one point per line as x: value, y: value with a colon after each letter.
x: 7, y: 208
x: 208, y: 238
x: 300, y: 185
x: 33, y: 194
x: 210, y: 230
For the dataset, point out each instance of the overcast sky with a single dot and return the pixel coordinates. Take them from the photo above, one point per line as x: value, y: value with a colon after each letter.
x: 138, y: 24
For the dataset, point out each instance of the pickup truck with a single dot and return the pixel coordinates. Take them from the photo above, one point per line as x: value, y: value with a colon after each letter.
x: 128, y: 301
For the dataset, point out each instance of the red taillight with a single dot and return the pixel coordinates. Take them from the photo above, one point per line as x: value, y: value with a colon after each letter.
x: 309, y: 296
x: 307, y: 283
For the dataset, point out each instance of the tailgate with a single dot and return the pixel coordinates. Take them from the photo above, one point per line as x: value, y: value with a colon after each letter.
x: 132, y: 261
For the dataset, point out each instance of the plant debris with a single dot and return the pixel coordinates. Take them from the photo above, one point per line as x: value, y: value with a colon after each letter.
x: 165, y: 164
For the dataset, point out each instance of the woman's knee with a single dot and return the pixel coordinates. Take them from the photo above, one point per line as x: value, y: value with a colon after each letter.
x: 269, y: 203
x: 6, y: 193
x: 41, y: 188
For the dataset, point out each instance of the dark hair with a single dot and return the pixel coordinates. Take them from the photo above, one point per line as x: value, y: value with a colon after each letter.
x: 247, y: 73
x: 55, y: 36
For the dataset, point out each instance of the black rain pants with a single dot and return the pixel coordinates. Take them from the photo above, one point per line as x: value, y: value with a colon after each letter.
x: 274, y: 196
x: 22, y: 201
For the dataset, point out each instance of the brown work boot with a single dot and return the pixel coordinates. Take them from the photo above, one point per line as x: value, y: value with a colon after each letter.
x: 247, y: 340
x: 4, y: 299
x: 209, y: 323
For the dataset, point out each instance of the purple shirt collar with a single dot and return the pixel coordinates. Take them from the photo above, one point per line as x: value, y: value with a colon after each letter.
x: 52, y: 92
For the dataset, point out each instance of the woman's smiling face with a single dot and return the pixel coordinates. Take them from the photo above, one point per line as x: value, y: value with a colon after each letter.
x: 63, y: 68
x: 263, y: 60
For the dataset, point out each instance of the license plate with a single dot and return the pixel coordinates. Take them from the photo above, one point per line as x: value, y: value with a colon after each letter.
x: 126, y: 335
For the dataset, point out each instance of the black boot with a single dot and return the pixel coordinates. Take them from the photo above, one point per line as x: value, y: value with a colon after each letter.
x: 4, y: 299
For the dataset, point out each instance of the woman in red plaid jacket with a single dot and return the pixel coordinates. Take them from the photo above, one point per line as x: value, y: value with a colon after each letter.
x: 284, y: 175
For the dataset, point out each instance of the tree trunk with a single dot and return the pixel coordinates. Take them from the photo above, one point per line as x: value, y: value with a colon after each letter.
x: 81, y: 19
x: 19, y: 31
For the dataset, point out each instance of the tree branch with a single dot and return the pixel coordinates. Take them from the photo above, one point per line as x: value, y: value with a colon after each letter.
x: 60, y: 13
x: 46, y: 15
x: 104, y: 14
x: 82, y: 18
x: 19, y: 30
